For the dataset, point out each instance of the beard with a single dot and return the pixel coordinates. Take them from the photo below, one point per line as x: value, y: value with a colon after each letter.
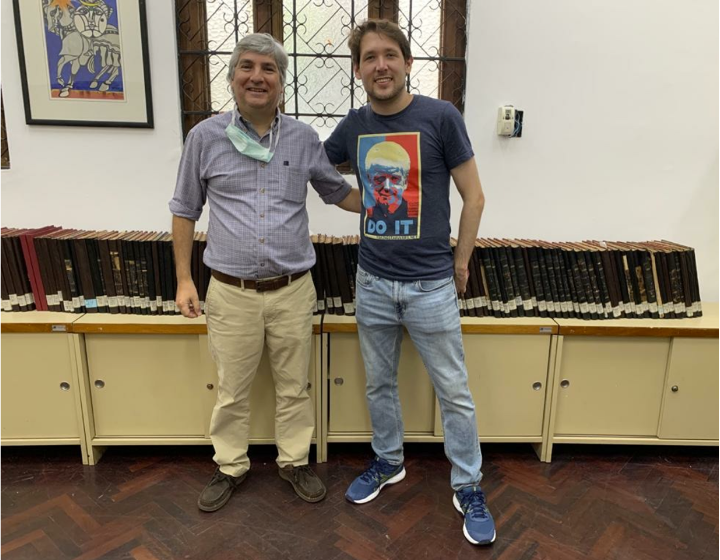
x: 387, y: 95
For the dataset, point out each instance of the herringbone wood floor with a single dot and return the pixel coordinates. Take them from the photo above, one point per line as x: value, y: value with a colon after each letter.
x: 139, y: 503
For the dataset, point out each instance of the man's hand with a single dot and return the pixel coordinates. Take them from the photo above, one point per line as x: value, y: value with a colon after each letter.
x: 187, y: 299
x: 461, y: 279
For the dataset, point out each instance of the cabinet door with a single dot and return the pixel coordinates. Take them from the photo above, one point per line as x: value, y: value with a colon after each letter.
x: 690, y: 411
x: 39, y: 391
x: 262, y: 394
x: 348, y: 407
x: 145, y: 385
x: 507, y: 375
x: 611, y: 385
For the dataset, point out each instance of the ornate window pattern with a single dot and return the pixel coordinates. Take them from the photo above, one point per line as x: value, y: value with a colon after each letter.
x: 320, y: 86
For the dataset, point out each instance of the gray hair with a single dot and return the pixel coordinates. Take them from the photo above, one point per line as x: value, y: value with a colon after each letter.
x: 260, y: 43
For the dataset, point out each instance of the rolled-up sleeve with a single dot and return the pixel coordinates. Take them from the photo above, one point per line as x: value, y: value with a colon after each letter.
x: 190, y: 188
x: 325, y: 179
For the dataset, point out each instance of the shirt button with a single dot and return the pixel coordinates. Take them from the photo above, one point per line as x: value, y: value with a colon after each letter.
x: 262, y: 264
x: 262, y: 191
x: 262, y: 240
x: 262, y: 215
x: 263, y: 164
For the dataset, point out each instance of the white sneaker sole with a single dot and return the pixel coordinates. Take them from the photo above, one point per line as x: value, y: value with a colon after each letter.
x: 456, y: 503
x: 394, y: 480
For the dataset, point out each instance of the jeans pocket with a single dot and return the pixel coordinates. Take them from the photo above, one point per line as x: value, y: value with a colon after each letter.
x: 433, y: 285
x: 364, y: 279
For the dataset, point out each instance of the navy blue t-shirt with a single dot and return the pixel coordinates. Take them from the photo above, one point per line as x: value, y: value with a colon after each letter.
x: 402, y: 163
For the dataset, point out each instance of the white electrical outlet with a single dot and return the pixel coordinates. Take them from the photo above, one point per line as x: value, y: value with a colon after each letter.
x: 506, y: 120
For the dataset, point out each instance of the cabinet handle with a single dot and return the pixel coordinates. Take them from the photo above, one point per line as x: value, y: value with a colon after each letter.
x: 339, y: 381
x: 64, y: 386
x: 675, y: 388
x: 99, y: 384
x: 565, y: 383
x: 210, y: 386
x: 537, y: 386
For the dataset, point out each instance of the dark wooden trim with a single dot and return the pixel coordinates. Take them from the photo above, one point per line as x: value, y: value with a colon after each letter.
x: 6, y: 328
x: 384, y: 9
x: 268, y: 17
x: 659, y: 331
x: 453, y: 43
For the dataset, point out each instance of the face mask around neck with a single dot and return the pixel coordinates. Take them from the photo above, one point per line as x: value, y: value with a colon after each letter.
x: 249, y: 147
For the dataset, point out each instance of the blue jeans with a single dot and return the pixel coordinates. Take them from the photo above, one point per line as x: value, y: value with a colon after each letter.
x: 428, y: 310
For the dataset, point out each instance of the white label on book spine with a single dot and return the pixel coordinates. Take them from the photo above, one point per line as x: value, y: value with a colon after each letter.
x: 469, y: 303
x: 91, y: 303
x: 653, y: 307
x: 481, y: 302
x: 67, y: 306
x: 146, y: 302
x: 22, y: 300
x: 6, y: 305
x: 496, y: 305
x: 616, y: 312
x: 461, y: 303
x: 136, y: 301
x: 542, y: 305
x: 593, y: 308
x: 668, y: 308
x: 679, y: 308
x: 102, y: 301
x: 608, y: 308
x: 583, y: 307
x: 153, y: 305
x: 512, y: 305
x: 159, y: 301
x: 627, y: 307
x: 349, y: 308
x: 505, y: 308
x: 518, y: 301
x: 30, y: 298
x: 177, y: 309
x: 338, y: 302
x: 13, y: 299
x: 320, y: 305
x: 527, y: 305
x: 113, y: 301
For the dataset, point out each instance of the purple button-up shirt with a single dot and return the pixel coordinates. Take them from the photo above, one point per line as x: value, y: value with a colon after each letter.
x: 258, y: 225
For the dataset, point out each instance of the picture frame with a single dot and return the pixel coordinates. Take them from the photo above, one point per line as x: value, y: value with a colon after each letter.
x: 84, y: 62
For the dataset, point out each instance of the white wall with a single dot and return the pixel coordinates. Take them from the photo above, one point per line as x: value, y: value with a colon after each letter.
x: 620, y: 139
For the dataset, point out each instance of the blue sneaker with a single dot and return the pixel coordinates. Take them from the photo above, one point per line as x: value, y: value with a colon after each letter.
x: 479, y: 527
x: 367, y: 486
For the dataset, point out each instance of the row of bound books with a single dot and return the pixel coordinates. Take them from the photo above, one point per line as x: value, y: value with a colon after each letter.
x: 530, y: 278
x: 78, y: 271
x: 82, y: 271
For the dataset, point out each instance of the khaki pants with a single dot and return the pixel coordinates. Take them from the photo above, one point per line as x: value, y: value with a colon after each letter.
x: 240, y: 322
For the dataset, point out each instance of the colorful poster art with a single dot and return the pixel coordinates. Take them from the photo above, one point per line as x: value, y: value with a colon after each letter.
x: 390, y: 171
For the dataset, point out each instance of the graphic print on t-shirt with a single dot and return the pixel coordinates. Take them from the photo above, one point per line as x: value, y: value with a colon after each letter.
x: 389, y: 168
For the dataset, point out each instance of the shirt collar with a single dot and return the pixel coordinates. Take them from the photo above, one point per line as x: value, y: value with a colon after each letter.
x: 250, y: 129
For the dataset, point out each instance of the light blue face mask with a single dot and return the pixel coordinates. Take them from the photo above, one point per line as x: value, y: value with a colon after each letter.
x: 249, y: 147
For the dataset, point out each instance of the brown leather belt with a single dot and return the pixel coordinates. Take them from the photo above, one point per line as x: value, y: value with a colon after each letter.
x: 268, y: 285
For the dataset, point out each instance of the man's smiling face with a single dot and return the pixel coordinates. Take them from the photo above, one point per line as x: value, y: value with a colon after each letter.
x: 256, y: 84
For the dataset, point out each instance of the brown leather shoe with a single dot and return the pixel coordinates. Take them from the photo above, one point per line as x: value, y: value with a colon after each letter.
x: 218, y: 491
x: 305, y: 482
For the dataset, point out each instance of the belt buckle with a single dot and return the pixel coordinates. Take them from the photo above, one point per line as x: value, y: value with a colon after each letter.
x: 263, y: 285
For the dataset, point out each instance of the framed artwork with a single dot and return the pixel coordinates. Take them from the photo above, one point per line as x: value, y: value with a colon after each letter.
x: 84, y: 62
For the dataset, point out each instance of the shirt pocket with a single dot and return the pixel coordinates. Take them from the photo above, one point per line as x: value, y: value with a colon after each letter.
x: 293, y: 183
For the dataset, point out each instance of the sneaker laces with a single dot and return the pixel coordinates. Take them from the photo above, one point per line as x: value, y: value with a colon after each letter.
x: 374, y: 471
x: 473, y: 503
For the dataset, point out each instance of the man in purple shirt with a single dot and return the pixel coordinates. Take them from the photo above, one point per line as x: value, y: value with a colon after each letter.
x: 253, y: 166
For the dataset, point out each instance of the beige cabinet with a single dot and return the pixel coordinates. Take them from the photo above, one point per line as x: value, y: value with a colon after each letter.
x: 348, y: 406
x: 40, y: 392
x: 690, y: 402
x: 507, y: 375
x: 610, y: 385
x: 145, y: 385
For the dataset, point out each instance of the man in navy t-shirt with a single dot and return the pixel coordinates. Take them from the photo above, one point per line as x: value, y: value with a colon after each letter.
x: 404, y: 148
